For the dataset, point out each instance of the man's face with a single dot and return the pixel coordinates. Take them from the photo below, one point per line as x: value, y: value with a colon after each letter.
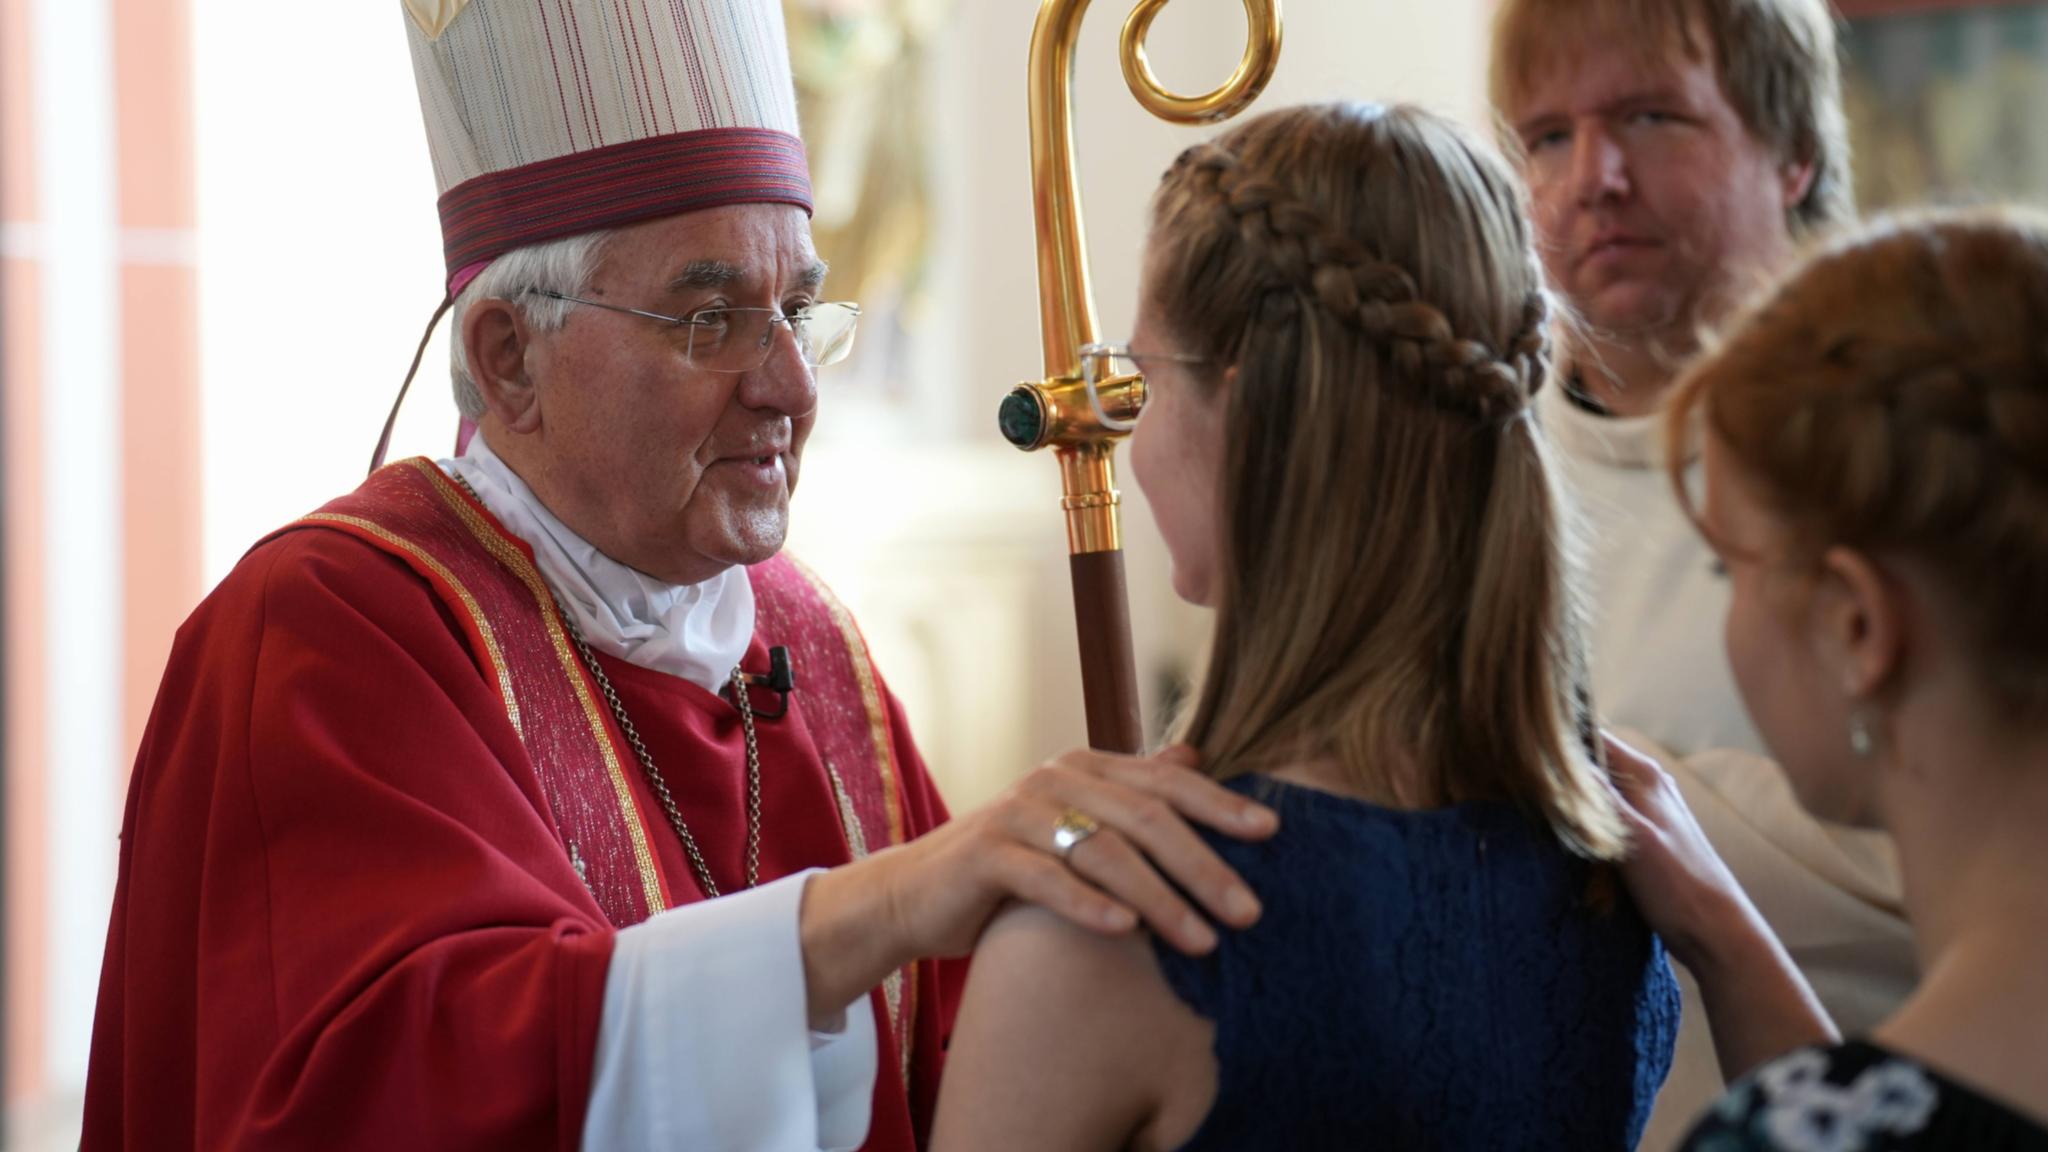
x: 671, y: 468
x: 1655, y: 207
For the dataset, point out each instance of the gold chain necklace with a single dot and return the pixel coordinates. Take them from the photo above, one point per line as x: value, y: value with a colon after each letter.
x: 655, y: 780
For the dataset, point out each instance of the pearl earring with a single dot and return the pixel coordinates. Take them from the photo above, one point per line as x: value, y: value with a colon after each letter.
x: 1861, y: 740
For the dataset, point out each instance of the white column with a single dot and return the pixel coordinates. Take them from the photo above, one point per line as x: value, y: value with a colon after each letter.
x: 81, y: 347
x: 319, y: 260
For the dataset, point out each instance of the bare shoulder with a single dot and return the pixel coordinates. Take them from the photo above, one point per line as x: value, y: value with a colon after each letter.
x: 1026, y: 948
x: 1071, y: 1039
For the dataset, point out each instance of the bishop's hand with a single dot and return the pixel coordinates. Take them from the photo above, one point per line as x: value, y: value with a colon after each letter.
x: 1102, y: 840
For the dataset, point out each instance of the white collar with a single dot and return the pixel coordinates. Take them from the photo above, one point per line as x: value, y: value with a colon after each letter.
x: 695, y: 631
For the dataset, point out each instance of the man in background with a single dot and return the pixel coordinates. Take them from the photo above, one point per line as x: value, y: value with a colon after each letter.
x: 1677, y: 155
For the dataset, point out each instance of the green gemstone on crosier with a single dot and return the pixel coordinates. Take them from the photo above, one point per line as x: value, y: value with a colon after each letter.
x: 1020, y: 419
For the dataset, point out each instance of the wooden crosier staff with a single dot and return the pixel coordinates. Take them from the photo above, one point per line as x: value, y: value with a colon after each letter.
x: 1080, y: 409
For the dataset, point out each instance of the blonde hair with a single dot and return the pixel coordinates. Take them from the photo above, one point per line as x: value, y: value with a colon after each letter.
x: 1892, y: 397
x: 1777, y: 62
x: 1395, y: 577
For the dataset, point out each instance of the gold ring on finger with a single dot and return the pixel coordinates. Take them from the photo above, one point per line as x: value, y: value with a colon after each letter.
x: 1070, y: 830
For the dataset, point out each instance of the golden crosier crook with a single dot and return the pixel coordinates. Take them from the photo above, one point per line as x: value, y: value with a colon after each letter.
x: 1261, y: 53
x: 1077, y: 410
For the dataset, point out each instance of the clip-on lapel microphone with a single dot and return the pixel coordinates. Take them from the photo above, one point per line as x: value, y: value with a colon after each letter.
x: 780, y: 679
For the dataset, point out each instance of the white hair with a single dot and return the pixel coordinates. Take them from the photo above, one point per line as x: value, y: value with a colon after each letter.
x: 564, y: 266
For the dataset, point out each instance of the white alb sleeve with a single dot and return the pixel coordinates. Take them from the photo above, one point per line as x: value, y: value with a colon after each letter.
x: 705, y: 1044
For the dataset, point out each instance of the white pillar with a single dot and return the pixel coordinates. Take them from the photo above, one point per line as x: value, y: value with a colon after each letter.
x: 81, y: 347
x: 319, y: 260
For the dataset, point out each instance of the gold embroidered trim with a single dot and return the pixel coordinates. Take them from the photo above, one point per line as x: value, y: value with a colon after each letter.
x: 892, y: 993
x: 469, y: 603
x: 856, y: 835
x: 906, y: 1033
x: 899, y: 988
x: 870, y: 695
x: 516, y: 562
x: 857, y: 844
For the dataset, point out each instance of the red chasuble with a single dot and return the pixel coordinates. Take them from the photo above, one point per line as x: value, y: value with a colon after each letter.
x: 382, y: 831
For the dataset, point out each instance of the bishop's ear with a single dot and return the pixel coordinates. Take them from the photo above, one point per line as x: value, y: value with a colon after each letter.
x: 1858, y: 619
x: 494, y: 339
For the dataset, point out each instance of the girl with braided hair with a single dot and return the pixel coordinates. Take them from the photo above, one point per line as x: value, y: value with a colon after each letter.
x: 1341, y: 323
x: 1875, y: 441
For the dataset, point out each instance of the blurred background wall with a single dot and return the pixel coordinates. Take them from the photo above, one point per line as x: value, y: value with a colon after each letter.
x: 218, y: 248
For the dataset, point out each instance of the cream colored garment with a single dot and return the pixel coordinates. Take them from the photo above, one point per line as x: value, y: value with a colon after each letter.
x: 695, y: 631
x: 1661, y: 678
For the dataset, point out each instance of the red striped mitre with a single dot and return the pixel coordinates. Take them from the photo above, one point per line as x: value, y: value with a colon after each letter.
x: 550, y: 118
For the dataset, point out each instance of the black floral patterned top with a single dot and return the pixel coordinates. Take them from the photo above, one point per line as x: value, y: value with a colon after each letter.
x: 1858, y: 1097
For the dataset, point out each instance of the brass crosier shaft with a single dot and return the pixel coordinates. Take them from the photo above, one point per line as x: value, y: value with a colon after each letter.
x: 1079, y: 410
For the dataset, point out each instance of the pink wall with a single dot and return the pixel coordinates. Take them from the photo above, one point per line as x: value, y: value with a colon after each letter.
x: 159, y: 343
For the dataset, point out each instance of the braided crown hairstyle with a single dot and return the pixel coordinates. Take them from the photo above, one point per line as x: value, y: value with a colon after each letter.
x: 1396, y: 583
x: 1892, y: 397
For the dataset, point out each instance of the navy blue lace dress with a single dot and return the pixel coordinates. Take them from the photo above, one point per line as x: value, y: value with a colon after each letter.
x: 1442, y: 980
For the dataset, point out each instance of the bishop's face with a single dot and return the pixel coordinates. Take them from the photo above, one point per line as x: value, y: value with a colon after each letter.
x: 662, y: 464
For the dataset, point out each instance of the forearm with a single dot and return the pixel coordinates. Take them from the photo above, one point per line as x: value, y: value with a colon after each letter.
x: 848, y: 936
x: 1758, y: 1005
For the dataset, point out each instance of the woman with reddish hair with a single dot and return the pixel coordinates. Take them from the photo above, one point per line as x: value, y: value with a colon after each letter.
x: 1875, y: 446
